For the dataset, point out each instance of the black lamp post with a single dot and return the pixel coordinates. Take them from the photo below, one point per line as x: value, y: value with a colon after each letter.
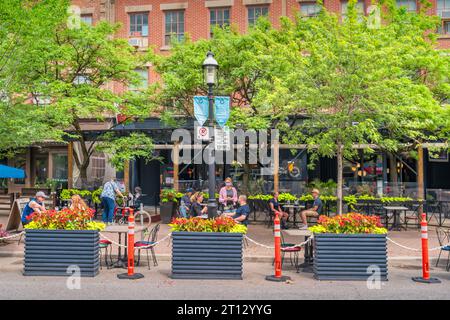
x: 210, y: 67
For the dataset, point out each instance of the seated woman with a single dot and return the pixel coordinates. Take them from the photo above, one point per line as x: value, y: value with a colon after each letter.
x: 197, y: 210
x: 185, y: 203
x: 242, y: 212
x: 78, y: 204
x: 275, y: 207
x: 228, y: 195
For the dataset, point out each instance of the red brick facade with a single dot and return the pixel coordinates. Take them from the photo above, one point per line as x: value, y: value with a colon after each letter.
x: 196, y: 16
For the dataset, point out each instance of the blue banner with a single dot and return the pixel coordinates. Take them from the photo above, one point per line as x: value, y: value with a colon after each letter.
x: 222, y: 110
x: 201, y: 109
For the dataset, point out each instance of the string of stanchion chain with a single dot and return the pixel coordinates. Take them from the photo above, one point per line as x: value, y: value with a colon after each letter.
x: 249, y: 239
x: 140, y: 247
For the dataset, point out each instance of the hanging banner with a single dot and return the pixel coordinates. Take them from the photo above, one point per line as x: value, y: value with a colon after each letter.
x: 222, y: 110
x: 201, y: 109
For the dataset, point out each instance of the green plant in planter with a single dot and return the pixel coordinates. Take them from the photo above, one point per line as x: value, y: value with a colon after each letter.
x: 196, y: 224
x: 284, y: 197
x: 168, y: 195
x: 351, y: 223
x: 96, y: 196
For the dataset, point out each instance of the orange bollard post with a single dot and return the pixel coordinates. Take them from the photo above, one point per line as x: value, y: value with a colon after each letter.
x: 130, y: 274
x: 278, y: 277
x: 425, y: 260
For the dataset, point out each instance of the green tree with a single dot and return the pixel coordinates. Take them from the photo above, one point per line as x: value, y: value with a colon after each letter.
x: 356, y: 83
x: 75, y: 76
x: 24, y: 26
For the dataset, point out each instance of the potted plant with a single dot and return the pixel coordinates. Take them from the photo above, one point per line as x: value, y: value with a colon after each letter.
x: 55, y: 240
x: 168, y: 204
x: 349, y: 247
x: 207, y: 248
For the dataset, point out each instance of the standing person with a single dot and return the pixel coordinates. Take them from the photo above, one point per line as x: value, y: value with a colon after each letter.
x: 108, y: 196
x: 242, y: 212
x: 185, y: 203
x: 228, y: 195
x: 36, y: 204
x: 197, y: 210
x: 78, y: 204
x: 275, y: 207
x: 315, y: 211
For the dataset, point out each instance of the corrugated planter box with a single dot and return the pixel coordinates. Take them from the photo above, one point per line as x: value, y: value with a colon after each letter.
x: 206, y: 255
x: 348, y: 256
x: 51, y: 252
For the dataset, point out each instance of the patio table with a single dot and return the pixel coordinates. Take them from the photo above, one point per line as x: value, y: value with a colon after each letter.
x: 396, y: 211
x: 307, y: 265
x: 122, y: 261
x: 296, y: 208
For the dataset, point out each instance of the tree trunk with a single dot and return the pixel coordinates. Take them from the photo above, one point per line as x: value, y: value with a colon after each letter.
x: 393, y: 174
x: 340, y: 159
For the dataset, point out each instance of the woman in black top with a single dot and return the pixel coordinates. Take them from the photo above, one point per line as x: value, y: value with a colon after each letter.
x: 197, y: 209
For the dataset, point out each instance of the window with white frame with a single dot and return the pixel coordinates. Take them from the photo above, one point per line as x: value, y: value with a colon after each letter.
x: 174, y: 26
x: 87, y: 19
x: 410, y: 5
x: 445, y: 28
x: 443, y: 8
x: 218, y: 17
x: 309, y: 9
x: 139, y: 24
x: 98, y: 165
x: 254, y: 12
x: 360, y: 9
x: 143, y: 79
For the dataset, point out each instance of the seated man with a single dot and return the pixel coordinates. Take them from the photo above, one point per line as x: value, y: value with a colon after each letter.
x: 275, y: 207
x: 242, y: 212
x: 36, y: 204
x: 185, y: 203
x: 315, y: 211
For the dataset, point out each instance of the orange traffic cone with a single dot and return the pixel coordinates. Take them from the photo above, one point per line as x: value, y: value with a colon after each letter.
x: 277, y: 235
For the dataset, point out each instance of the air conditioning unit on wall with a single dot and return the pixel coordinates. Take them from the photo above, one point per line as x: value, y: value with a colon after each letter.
x: 138, y: 42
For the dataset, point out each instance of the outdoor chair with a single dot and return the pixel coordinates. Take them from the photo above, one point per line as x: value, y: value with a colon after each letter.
x: 269, y: 215
x: 147, y: 245
x: 104, y: 245
x: 444, y: 239
x: 293, y: 252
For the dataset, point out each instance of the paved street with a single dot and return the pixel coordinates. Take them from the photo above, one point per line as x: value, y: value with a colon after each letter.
x: 158, y: 285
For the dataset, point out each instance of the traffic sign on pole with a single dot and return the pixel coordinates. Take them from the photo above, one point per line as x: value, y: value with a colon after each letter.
x: 222, y: 139
x: 202, y: 133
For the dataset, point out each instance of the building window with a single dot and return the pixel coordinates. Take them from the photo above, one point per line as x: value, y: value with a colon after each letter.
x: 359, y: 9
x: 309, y: 9
x: 139, y: 24
x: 143, y: 77
x: 445, y: 29
x: 59, y: 167
x: 87, y: 18
x: 81, y: 79
x: 255, y: 12
x: 98, y: 166
x: 174, y: 26
x: 410, y: 5
x: 219, y: 17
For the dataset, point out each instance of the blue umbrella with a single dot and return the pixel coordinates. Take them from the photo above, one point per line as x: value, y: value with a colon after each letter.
x: 10, y: 172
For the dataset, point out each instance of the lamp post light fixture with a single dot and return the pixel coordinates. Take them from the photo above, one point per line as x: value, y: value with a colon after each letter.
x: 210, y: 68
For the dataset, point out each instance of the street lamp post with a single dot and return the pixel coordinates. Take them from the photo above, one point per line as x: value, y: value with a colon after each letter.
x: 210, y: 67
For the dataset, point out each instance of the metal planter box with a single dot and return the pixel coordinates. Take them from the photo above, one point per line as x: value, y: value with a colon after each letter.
x: 206, y: 255
x: 348, y: 256
x: 51, y: 252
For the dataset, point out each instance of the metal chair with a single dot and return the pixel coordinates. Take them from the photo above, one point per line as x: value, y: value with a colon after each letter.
x: 104, y: 245
x: 269, y: 215
x: 293, y: 253
x: 147, y: 245
x: 444, y: 239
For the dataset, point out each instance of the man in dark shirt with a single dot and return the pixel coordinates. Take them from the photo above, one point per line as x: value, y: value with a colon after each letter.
x: 242, y: 212
x: 275, y: 207
x: 315, y: 211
